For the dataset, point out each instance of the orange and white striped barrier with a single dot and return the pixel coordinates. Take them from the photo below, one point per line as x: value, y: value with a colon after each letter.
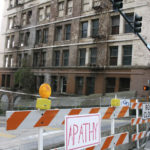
x: 55, y: 117
x: 140, y: 135
x: 108, y: 142
x: 136, y: 105
x: 136, y: 121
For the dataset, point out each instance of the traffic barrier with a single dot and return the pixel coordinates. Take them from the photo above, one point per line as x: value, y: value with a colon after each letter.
x: 135, y: 121
x: 108, y: 142
x: 140, y: 135
x: 136, y: 105
x: 55, y: 118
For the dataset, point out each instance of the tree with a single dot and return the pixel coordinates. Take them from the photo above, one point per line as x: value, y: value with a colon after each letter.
x: 24, y: 79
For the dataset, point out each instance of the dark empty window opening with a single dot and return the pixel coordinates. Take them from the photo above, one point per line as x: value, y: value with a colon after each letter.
x: 90, y: 85
x: 67, y: 32
x: 63, y: 84
x: 110, y: 85
x: 124, y: 84
x: 38, y: 36
x: 8, y: 81
x: 130, y: 17
x: 45, y: 35
x: 57, y: 58
x: 54, y: 80
x: 65, y: 57
x: 93, y: 55
x: 3, y: 80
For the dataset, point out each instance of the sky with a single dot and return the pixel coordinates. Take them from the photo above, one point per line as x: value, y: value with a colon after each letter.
x: 1, y: 11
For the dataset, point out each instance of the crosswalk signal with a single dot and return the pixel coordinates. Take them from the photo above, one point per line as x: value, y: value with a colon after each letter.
x: 137, y: 23
x: 146, y: 88
x: 117, y: 4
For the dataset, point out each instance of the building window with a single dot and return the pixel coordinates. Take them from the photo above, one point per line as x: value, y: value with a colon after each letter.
x: 24, y: 15
x: 90, y: 85
x: 35, y: 59
x: 10, y: 61
x: 54, y: 81
x: 10, y: 23
x: 8, y: 81
x: 124, y: 84
x: 41, y: 14
x: 84, y: 29
x: 29, y: 17
x: 45, y: 35
x: 8, y: 42
x: 96, y: 3
x: 69, y: 7
x: 82, y: 53
x: 58, y: 33
x: 21, y: 39
x: 43, y: 58
x: 115, y: 24
x: 113, y: 56
x: 95, y: 27
x: 65, y: 57
x: 38, y: 36
x: 61, y: 9
x: 79, y: 85
x: 56, y: 58
x: 93, y: 55
x: 27, y: 36
x: 127, y: 55
x: 19, y: 60
x: 47, y: 12
x: 6, y: 62
x: 3, y: 80
x: 67, y: 32
x: 110, y: 85
x: 85, y: 5
x: 63, y: 84
x: 130, y: 17
x: 12, y: 44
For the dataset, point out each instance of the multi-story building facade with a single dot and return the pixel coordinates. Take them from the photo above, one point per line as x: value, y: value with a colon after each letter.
x: 78, y: 46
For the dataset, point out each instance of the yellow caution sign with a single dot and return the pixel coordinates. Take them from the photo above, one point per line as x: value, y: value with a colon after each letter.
x: 115, y: 102
x: 44, y: 103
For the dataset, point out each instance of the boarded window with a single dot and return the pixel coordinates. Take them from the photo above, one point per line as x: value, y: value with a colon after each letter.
x: 84, y: 29
x: 95, y: 27
x: 79, y: 85
x: 124, y: 84
x: 113, y: 56
x: 67, y: 32
x: 69, y: 7
x: 65, y: 57
x: 61, y: 9
x: 115, y: 24
x: 110, y: 85
x: 82, y: 53
x: 127, y: 55
x: 130, y: 17
x: 85, y: 5
x: 58, y: 35
x: 93, y: 55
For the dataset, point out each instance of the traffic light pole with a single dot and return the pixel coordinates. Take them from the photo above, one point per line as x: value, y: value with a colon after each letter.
x: 126, y: 19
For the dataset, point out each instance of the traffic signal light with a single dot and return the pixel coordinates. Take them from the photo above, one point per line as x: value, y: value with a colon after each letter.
x: 117, y: 4
x: 137, y: 24
x: 146, y: 88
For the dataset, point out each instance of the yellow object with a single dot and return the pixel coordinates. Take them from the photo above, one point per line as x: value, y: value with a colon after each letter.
x: 45, y: 90
x: 43, y: 103
x: 115, y: 102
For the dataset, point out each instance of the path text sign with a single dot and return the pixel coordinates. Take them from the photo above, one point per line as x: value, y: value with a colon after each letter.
x: 146, y: 111
x: 82, y: 131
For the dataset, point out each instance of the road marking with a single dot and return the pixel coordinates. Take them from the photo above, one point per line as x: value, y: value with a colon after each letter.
x: 7, y: 135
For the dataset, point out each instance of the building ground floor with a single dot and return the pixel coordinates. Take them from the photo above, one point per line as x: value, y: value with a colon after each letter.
x: 85, y: 81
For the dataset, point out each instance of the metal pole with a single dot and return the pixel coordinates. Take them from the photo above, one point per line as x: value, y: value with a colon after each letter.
x: 40, y: 139
x: 137, y: 126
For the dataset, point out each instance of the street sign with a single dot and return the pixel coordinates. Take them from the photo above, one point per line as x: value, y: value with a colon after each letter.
x: 146, y: 111
x: 82, y: 131
x: 125, y: 102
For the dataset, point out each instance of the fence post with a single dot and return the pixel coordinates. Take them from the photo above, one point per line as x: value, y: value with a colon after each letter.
x: 40, y: 139
x: 137, y: 126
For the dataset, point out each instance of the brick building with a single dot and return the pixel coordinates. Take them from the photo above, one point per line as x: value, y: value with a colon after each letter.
x: 78, y: 46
